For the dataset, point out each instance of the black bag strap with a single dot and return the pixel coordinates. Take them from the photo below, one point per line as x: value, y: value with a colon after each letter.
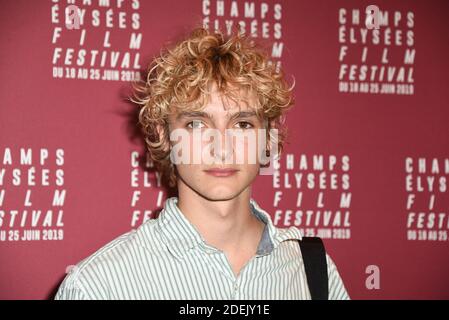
x: 314, y: 257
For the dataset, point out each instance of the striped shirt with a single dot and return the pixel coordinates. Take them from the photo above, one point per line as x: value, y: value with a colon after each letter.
x: 167, y: 258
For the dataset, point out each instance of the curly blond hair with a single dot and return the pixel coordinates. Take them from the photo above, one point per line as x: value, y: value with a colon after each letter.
x: 181, y: 76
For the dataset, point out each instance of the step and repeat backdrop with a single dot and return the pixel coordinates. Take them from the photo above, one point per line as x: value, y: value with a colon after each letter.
x: 366, y: 164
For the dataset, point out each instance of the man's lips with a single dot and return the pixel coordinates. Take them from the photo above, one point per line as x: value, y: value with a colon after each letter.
x: 221, y: 172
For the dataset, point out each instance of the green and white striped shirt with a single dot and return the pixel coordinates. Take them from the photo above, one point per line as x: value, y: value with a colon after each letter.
x: 167, y: 258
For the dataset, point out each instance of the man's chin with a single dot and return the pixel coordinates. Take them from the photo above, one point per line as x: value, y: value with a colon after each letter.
x: 219, y: 194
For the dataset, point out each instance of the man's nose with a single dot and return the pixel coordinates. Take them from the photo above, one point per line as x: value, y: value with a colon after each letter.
x: 225, y: 150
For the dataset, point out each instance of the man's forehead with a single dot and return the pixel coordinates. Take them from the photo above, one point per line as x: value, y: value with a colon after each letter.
x: 228, y: 109
x: 230, y: 102
x: 217, y: 104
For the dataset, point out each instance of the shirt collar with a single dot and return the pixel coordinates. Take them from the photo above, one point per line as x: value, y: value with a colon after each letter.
x: 180, y: 235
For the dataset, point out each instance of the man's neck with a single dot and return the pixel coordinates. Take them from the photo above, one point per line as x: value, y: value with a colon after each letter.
x: 226, y: 225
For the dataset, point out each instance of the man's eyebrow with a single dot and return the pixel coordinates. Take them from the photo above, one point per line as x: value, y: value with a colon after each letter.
x: 202, y: 114
x: 194, y: 114
x: 243, y: 114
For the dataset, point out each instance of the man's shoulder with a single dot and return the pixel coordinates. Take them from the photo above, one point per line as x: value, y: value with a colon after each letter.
x: 145, y: 238
x: 119, y: 254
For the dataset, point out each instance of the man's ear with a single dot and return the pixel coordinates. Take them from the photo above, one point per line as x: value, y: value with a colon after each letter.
x: 162, y: 133
x: 271, y: 125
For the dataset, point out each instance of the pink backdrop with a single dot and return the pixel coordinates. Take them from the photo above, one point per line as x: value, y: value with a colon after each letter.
x: 365, y: 167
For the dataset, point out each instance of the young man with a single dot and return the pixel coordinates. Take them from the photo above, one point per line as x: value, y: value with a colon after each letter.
x: 212, y: 241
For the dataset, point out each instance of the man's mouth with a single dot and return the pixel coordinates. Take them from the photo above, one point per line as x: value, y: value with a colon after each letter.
x: 221, y: 172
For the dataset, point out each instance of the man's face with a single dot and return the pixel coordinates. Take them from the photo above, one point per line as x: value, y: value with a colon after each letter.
x: 204, y: 140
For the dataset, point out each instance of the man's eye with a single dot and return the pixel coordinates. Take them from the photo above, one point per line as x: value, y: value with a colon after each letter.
x: 195, y: 124
x: 244, y: 125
